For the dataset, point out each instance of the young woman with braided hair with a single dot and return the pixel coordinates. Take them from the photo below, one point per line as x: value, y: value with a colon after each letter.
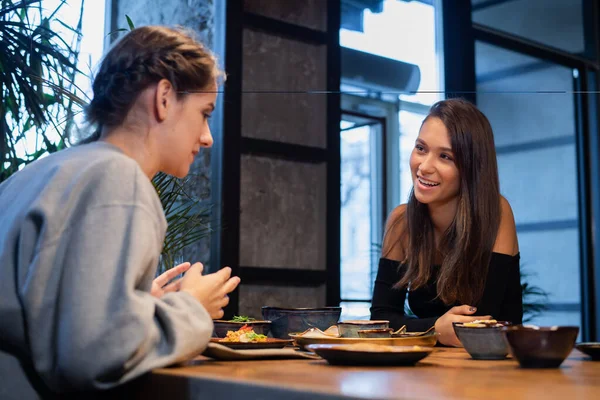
x: 453, y: 247
x: 81, y: 231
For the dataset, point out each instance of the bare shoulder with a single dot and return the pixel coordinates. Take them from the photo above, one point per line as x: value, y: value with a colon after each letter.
x: 393, y: 234
x: 506, y: 239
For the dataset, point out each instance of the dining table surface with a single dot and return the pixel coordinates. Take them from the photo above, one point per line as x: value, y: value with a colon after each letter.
x: 447, y: 373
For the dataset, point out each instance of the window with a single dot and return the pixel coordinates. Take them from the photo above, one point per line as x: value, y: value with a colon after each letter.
x: 91, y: 48
x: 556, y: 23
x: 535, y: 136
x: 378, y: 132
x: 89, y: 45
x: 361, y: 140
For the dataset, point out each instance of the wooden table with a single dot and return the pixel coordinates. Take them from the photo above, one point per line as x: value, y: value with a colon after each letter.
x: 445, y: 374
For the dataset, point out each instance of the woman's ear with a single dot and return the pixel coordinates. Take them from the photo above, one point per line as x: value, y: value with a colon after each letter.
x: 164, y: 99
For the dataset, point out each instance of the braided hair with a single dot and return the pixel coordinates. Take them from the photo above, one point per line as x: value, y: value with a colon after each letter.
x: 140, y: 59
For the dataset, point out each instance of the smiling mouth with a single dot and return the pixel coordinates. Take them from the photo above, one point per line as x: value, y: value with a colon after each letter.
x: 426, y: 182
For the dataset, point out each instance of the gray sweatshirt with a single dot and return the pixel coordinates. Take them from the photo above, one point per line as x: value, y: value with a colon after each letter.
x: 80, y: 236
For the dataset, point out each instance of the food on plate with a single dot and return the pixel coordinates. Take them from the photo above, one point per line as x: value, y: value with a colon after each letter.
x: 488, y: 323
x: 242, y: 318
x: 244, y: 335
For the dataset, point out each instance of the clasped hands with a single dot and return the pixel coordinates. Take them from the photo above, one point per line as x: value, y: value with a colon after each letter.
x: 210, y: 290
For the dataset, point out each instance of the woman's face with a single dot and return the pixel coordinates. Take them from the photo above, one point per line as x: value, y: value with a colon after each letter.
x: 189, y: 131
x: 435, y: 175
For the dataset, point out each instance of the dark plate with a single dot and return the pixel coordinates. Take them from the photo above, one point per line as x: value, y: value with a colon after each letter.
x: 428, y: 340
x: 271, y: 343
x: 592, y: 349
x: 342, y: 354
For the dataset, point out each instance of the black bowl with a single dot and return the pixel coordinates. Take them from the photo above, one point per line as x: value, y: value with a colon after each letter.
x: 483, y: 343
x: 592, y: 349
x: 221, y: 327
x: 545, y: 347
x: 294, y: 320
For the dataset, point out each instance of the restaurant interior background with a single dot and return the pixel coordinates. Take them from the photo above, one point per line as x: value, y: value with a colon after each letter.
x: 300, y: 198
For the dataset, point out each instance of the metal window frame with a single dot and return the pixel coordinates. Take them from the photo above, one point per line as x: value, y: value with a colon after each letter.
x: 378, y: 215
x: 459, y: 28
x: 391, y: 143
x: 334, y: 115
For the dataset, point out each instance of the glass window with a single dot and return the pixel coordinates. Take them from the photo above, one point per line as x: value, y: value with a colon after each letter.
x: 92, y: 47
x: 402, y: 31
x: 410, y: 123
x: 89, y: 47
x: 556, y: 23
x: 361, y: 201
x: 530, y: 105
x: 355, y: 310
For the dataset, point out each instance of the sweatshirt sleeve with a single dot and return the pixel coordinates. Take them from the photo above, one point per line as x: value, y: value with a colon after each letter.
x: 388, y: 302
x: 91, y: 323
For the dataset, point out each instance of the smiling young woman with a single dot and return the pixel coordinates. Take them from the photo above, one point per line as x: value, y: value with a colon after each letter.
x: 453, y: 246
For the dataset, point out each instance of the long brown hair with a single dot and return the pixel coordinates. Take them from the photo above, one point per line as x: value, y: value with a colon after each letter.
x: 141, y: 58
x: 466, y: 246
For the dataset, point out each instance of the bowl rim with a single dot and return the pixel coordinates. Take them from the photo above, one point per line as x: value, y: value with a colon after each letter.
x: 359, y: 322
x: 526, y: 328
x: 588, y: 344
x: 376, y: 330
x: 224, y: 321
x: 504, y: 325
x: 302, y: 308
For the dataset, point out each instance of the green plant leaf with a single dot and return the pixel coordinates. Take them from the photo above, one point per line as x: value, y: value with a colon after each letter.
x: 116, y: 31
x: 188, y: 218
x: 130, y: 23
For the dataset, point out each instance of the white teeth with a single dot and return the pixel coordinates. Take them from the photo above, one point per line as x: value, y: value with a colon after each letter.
x: 427, y: 183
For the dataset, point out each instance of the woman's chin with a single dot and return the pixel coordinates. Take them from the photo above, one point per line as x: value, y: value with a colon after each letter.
x: 182, y: 174
x: 423, y: 198
x: 178, y: 173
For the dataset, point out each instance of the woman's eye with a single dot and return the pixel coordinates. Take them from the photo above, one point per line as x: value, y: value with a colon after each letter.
x: 207, y: 116
x: 446, y: 157
x: 419, y: 147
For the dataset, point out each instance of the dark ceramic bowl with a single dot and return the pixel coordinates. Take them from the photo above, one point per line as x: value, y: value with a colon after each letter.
x: 350, y: 328
x: 545, y: 347
x: 221, y: 327
x: 483, y: 343
x: 375, y: 333
x: 592, y: 349
x: 293, y: 320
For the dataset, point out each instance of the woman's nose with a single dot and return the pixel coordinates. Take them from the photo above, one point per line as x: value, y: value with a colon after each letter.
x: 427, y: 165
x: 206, y: 140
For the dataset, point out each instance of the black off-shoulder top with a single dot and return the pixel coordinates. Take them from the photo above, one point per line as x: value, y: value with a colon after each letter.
x: 502, y: 297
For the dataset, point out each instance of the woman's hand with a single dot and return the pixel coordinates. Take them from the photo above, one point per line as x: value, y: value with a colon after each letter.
x: 210, y: 290
x: 158, y: 285
x: 444, y: 328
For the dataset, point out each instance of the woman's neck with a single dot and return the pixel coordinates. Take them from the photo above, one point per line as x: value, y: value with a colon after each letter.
x: 442, y: 216
x: 134, y: 145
